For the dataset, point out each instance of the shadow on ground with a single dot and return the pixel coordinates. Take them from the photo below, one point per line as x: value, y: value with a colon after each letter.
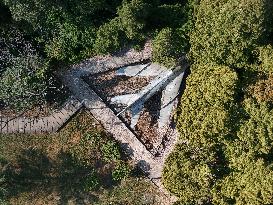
x: 35, y: 173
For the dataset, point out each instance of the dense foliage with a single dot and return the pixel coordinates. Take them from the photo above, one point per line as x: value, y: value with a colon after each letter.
x: 224, y: 155
x: 203, y: 121
x: 227, y: 32
x: 65, y: 32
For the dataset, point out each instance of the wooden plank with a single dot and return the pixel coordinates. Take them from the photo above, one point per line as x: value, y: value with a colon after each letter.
x: 4, y: 127
x: 21, y: 125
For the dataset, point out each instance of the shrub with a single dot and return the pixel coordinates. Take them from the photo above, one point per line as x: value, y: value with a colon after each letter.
x: 133, y: 16
x: 207, y: 101
x: 87, y: 41
x: 251, y: 185
x: 64, y: 43
x: 121, y: 171
x: 266, y: 58
x: 23, y: 84
x: 3, y: 190
x: 91, y: 182
x: 204, y: 119
x: 188, y: 172
x: 108, y: 37
x: 69, y: 41
x: 66, y: 30
x: 256, y: 133
x: 110, y: 151
x: 227, y: 32
x: 29, y: 10
x: 167, y: 46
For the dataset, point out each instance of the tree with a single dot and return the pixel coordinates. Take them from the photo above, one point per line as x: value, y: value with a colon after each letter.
x: 133, y: 16
x: 207, y: 103
x: 167, y: 47
x: 227, y: 32
x: 250, y: 183
x: 257, y: 132
x: 23, y: 84
x: 266, y: 58
x: 108, y: 37
x: 204, y: 120
x: 66, y: 29
x: 188, y: 172
x: 23, y: 78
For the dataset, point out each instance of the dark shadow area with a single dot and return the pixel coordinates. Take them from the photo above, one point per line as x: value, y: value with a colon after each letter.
x: 183, y: 87
x: 5, y: 14
x: 144, y: 166
x: 35, y: 172
x: 153, y: 106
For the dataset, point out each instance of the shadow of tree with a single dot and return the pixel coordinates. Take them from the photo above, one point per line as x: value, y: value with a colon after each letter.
x: 33, y: 171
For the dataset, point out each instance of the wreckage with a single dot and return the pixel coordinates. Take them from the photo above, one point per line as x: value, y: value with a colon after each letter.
x: 166, y: 80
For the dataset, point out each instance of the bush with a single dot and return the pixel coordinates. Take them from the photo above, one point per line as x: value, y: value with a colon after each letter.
x: 167, y: 46
x: 66, y: 30
x: 256, y: 134
x: 29, y: 10
x: 91, y: 182
x: 3, y: 190
x: 23, y: 84
x: 253, y: 184
x: 68, y: 41
x: 121, y: 171
x: 188, y: 172
x: 108, y: 38
x: 204, y: 119
x: 64, y: 43
x: 207, y: 102
x: 266, y: 58
x: 110, y: 152
x: 133, y: 16
x: 227, y: 32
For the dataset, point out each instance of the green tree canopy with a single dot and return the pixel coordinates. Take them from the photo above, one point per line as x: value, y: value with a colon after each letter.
x: 203, y: 121
x: 188, y: 172
x: 250, y: 183
x: 23, y: 83
x: 257, y: 132
x: 206, y: 102
x: 266, y: 58
x: 227, y: 32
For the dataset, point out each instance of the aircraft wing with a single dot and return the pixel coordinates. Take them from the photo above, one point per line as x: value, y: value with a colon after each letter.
x: 125, y: 99
x: 169, y: 95
x: 143, y: 70
x: 136, y: 110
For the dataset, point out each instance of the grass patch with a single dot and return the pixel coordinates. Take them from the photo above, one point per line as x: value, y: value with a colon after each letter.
x: 78, y: 165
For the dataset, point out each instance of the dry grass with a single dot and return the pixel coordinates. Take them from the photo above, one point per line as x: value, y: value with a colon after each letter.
x: 49, y: 169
